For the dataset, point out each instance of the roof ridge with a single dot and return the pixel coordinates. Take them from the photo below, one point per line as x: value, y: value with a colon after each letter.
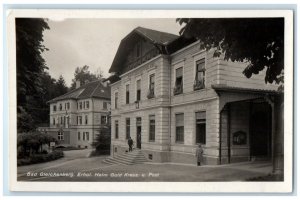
x: 156, y: 30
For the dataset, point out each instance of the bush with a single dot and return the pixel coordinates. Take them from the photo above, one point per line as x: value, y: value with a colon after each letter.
x: 39, y: 158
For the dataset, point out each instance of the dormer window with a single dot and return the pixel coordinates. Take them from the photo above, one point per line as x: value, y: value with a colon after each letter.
x: 178, y: 89
x: 200, y: 74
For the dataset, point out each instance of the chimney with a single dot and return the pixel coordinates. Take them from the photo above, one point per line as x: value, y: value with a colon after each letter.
x: 77, y: 84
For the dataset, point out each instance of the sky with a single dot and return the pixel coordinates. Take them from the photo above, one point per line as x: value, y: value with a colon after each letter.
x: 94, y: 42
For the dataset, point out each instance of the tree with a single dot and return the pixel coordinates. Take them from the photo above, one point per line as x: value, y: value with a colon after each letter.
x: 102, y: 141
x: 30, y: 66
x: 61, y: 87
x: 30, y: 63
x: 83, y: 74
x: 32, y: 142
x: 260, y: 41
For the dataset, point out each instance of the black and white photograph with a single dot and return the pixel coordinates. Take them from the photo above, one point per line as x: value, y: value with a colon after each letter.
x: 150, y: 98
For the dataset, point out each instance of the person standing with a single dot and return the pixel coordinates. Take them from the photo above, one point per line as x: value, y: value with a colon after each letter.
x: 130, y: 143
x: 199, y: 154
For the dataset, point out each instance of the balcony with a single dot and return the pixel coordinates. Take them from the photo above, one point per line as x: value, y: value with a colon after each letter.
x: 199, y: 84
x: 178, y: 89
x: 150, y: 54
x: 150, y: 94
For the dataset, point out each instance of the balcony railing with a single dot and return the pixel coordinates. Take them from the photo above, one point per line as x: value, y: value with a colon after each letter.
x: 150, y: 94
x: 150, y: 54
x: 199, y: 84
x: 177, y: 89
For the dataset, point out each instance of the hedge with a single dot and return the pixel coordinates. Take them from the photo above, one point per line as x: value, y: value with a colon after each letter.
x: 40, y: 158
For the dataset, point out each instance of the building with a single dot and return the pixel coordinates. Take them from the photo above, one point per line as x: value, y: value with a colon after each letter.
x: 77, y: 116
x: 171, y: 96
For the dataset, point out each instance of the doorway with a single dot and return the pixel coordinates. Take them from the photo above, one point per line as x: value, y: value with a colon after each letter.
x: 138, y: 132
x: 261, y: 130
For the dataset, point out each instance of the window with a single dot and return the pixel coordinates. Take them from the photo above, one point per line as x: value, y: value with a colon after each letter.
x: 87, y: 136
x: 152, y: 128
x: 61, y: 119
x: 200, y: 127
x: 68, y: 106
x: 86, y: 119
x: 65, y: 106
x: 179, y: 81
x: 60, y: 107
x: 87, y: 105
x: 116, y: 129
x: 179, y: 127
x: 80, y: 105
x: 80, y: 119
x: 54, y: 108
x: 104, y: 105
x: 127, y: 128
x: 83, y: 136
x: 84, y: 105
x: 78, y: 135
x: 151, y: 86
x: 103, y: 119
x: 116, y: 100
x: 53, y: 121
x: 127, y: 94
x: 60, y: 135
x: 138, y: 90
x: 200, y: 74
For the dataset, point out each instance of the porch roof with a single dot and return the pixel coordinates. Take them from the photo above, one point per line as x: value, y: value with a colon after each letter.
x: 226, y: 88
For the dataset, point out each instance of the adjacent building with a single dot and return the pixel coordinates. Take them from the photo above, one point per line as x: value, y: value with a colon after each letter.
x: 172, y: 95
x: 77, y: 116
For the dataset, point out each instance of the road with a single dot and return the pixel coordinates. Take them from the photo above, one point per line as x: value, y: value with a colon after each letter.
x: 76, y: 166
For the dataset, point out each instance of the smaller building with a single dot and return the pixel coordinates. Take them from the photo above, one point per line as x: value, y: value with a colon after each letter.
x: 77, y: 116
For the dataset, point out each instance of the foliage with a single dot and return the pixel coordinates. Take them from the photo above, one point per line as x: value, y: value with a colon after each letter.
x: 31, y: 143
x: 260, y: 41
x: 39, y: 158
x: 83, y: 74
x: 102, y: 141
x: 30, y: 67
x: 30, y: 63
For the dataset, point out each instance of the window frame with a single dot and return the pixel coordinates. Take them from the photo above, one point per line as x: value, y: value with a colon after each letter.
x: 178, y: 89
x: 116, y: 129
x: 200, y: 84
x: 116, y: 99
x: 127, y: 94
x: 200, y: 122
x: 152, y: 134
x: 138, y: 90
x: 60, y: 135
x: 179, y: 138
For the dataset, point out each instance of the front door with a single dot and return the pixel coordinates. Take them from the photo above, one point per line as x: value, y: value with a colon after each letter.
x: 138, y: 133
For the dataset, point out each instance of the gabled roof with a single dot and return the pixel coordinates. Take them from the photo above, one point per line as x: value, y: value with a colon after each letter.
x: 94, y: 89
x: 159, y: 39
